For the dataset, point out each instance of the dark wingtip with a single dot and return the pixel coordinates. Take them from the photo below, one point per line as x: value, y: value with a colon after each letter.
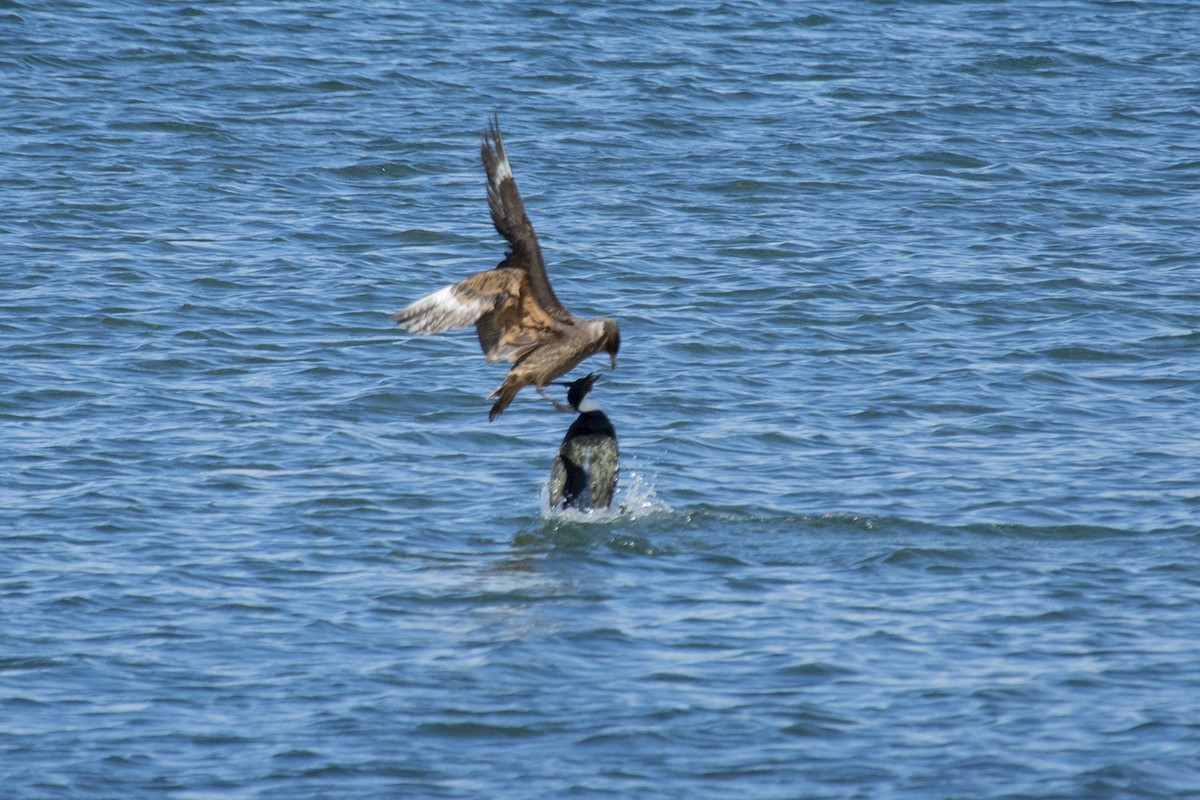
x: 493, y: 131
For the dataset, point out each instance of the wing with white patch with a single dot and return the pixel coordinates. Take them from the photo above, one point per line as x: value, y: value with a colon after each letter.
x: 500, y: 304
x: 439, y: 311
x: 461, y: 304
x: 511, y: 221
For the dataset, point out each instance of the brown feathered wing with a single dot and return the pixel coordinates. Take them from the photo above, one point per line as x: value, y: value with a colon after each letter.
x: 511, y: 221
x: 499, y: 302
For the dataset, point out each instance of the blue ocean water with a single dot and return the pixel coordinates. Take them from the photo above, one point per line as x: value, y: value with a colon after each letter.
x: 907, y: 402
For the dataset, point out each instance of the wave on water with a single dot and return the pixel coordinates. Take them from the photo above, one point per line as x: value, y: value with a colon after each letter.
x: 640, y: 519
x: 850, y: 523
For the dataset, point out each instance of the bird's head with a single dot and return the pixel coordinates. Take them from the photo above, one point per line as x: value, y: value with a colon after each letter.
x: 578, y: 389
x: 612, y: 340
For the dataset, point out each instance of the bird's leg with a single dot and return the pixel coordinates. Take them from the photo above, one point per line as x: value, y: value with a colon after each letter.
x: 563, y: 407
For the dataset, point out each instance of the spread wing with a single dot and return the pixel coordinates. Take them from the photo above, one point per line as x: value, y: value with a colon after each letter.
x: 604, y: 464
x: 584, y: 473
x: 568, y: 482
x: 558, y: 481
x: 498, y: 302
x: 508, y: 215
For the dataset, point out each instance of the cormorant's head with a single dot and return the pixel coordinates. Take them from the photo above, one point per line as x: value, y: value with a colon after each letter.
x: 612, y: 340
x: 577, y: 390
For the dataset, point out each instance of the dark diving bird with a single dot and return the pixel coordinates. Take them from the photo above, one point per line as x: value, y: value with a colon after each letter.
x: 584, y: 474
x: 514, y: 310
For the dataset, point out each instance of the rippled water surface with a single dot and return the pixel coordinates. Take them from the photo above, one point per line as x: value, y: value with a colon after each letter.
x: 907, y: 400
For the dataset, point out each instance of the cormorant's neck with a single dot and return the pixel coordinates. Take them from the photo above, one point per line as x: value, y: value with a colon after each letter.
x: 586, y: 405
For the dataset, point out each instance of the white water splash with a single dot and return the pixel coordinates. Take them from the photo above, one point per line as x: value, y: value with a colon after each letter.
x: 635, y: 499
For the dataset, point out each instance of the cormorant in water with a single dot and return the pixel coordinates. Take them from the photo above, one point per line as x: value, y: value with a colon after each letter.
x: 584, y: 474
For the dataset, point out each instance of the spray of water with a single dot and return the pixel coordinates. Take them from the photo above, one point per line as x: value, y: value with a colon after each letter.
x: 635, y: 499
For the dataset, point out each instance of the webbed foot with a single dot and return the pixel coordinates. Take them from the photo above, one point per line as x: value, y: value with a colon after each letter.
x: 561, y: 407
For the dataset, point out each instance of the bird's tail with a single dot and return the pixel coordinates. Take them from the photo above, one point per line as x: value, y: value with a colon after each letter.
x: 506, y: 391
